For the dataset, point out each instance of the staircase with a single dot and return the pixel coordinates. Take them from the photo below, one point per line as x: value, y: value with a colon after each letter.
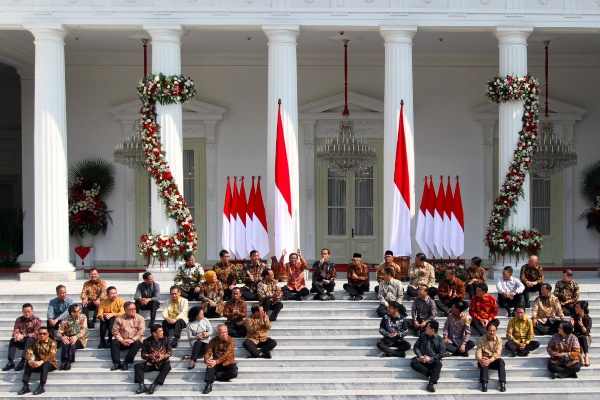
x: 325, y: 350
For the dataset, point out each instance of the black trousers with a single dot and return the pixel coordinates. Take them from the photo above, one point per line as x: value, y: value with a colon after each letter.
x: 275, y: 307
x: 356, y: 290
x: 414, y: 292
x: 90, y: 307
x: 431, y: 370
x: 402, y: 347
x: 43, y: 370
x: 455, y: 350
x: 117, y: 347
x: 563, y: 370
x: 265, y: 346
x: 152, y: 306
x: 248, y: 295
x: 471, y: 288
x: 198, y: 350
x: 320, y: 289
x: 382, y: 310
x: 67, y: 351
x: 52, y: 329
x: 484, y: 372
x: 444, y: 305
x: 177, y: 328
x: 221, y: 373
x: 235, y: 330
x: 583, y: 344
x: 211, y: 312
x: 480, y: 329
x: 568, y: 309
x: 21, y: 345
x: 507, y: 302
x: 535, y: 288
x: 107, y: 326
x: 191, y: 295
x: 294, y: 294
x: 549, y: 328
x: 512, y: 347
x: 227, y: 294
x: 411, y: 326
x: 142, y: 367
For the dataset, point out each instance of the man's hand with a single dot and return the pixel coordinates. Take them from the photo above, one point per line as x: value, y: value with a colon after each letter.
x: 84, y: 302
x: 447, y: 340
x: 65, y: 340
x: 462, y: 347
x: 393, y: 334
x: 484, y: 362
x: 73, y: 339
x: 424, y: 359
x: 211, y: 363
x: 326, y: 282
x: 284, y: 253
x: 52, y: 321
x: 521, y: 346
x: 32, y: 364
x: 506, y: 295
x: 20, y: 337
x: 97, y: 302
x: 535, y: 321
x: 127, y: 342
x: 484, y: 322
x: 145, y: 301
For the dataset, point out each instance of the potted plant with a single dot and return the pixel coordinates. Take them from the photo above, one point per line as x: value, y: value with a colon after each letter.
x: 590, y: 191
x: 92, y: 182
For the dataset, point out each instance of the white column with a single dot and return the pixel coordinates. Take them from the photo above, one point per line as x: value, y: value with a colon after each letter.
x: 283, y: 84
x: 488, y: 175
x: 308, y: 243
x: 166, y: 59
x: 570, y: 187
x: 398, y: 86
x: 50, y: 153
x: 513, y: 61
x: 213, y: 214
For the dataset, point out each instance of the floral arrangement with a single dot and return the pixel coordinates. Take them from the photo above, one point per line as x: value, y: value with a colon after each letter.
x: 165, y: 90
x: 516, y: 242
x: 593, y: 216
x: 590, y: 191
x: 87, y: 211
x: 441, y: 267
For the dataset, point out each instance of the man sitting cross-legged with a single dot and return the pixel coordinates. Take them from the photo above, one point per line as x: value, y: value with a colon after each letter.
x: 457, y: 331
x: 108, y: 311
x: 40, y: 357
x: 423, y: 310
x: 156, y: 351
x: 235, y: 311
x: 545, y: 311
x: 258, y: 325
x: 393, y: 328
x: 519, y: 334
x: 219, y: 359
x: 430, y: 349
x: 390, y: 289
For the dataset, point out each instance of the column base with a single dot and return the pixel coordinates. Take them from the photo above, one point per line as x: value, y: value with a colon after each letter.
x: 51, y: 276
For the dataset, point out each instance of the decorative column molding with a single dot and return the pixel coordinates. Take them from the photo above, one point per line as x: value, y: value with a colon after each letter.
x: 308, y: 240
x: 212, y: 211
x: 488, y: 174
x: 398, y: 86
x: 166, y: 59
x: 283, y: 84
x: 50, y: 155
x: 569, y: 190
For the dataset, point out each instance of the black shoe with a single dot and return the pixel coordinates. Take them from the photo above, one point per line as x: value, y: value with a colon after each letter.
x: 484, y: 386
x: 67, y: 365
x: 91, y: 324
x: 430, y: 387
x: 207, y: 388
x: 527, y: 305
x: 358, y: 298
x: 554, y: 375
x: 151, y: 322
x: 20, y: 366
x: 465, y: 354
x: 39, y: 390
x: 102, y: 345
x: 330, y: 297
x: 298, y: 298
x: 573, y: 375
x: 141, y: 389
x: 401, y: 354
x: 152, y: 388
x: 266, y: 355
x: 116, y: 367
x: 62, y: 366
x: 174, y: 343
x: 317, y: 297
x: 125, y: 366
x: 513, y: 353
x: 24, y: 390
x: 8, y: 366
x: 502, y: 387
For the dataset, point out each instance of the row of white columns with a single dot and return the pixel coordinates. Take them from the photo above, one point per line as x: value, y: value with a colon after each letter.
x: 50, y: 133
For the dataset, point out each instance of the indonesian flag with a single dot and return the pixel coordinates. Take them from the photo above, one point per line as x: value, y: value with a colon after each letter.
x: 234, y: 201
x: 283, y: 228
x: 429, y: 221
x: 400, y: 242
x: 226, y: 217
x: 420, y: 233
x: 458, y: 223
x: 438, y: 220
x: 260, y: 232
x: 249, y: 219
x: 448, y: 203
x: 240, y: 228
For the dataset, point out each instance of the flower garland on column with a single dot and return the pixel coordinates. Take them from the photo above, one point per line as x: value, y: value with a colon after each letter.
x: 515, y: 242
x: 166, y: 90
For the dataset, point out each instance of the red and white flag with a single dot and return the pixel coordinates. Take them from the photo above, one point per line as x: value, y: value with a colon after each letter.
x: 260, y: 232
x: 283, y: 221
x: 429, y: 221
x: 458, y: 223
x: 420, y: 233
x: 448, y: 203
x: 240, y: 227
x: 233, y: 223
x: 400, y: 241
x: 438, y: 219
x: 249, y: 218
x: 226, y: 217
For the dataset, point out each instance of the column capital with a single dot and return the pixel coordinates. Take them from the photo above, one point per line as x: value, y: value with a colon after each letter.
x: 513, y: 34
x: 282, y: 33
x: 47, y: 32
x: 398, y: 34
x: 165, y: 33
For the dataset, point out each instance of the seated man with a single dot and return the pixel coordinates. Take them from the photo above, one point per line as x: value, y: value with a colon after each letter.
x: 40, y: 357
x: 532, y: 277
x: 269, y: 294
x: 108, y: 310
x: 474, y: 275
x: 189, y: 278
x: 24, y: 335
x: 212, y: 296
x: 489, y: 350
x: 563, y: 349
x: 429, y: 348
x: 93, y: 292
x: 128, y: 332
x: 420, y: 273
x: 519, y: 334
x: 219, y: 359
x: 296, y: 285
x: 449, y: 291
x: 72, y: 332
x: 58, y: 309
x: 393, y: 328
x: 358, y: 276
x: 423, y: 310
x: 156, y: 351
x: 257, y: 326
x: 324, y: 275
x: 545, y: 311
x: 235, y: 311
x: 567, y: 291
x: 388, y: 262
x: 252, y: 276
x: 226, y: 274
x: 457, y: 331
x: 509, y: 291
x: 483, y: 309
x: 147, y: 296
x: 175, y: 315
x: 390, y: 290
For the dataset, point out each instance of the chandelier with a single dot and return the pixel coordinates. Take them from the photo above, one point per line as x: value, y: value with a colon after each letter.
x: 553, y: 154
x: 130, y: 152
x: 346, y: 153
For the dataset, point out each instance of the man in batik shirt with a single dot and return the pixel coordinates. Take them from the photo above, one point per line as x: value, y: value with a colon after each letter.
x: 269, y: 294
x: 457, y: 331
x: 219, y: 359
x: 532, y: 277
x: 92, y: 293
x: 72, y: 333
x: 421, y: 273
x: 156, y: 351
x: 358, y: 278
x: 388, y: 261
x: 567, y: 291
x: 545, y: 311
x: 252, y: 276
x: 189, y: 278
x: 423, y: 310
x: 520, y: 334
x: 40, y: 357
x: 483, y: 309
x: 226, y: 274
x: 235, y: 312
x: 393, y: 327
x: 23, y: 335
x: 324, y: 275
x: 296, y: 286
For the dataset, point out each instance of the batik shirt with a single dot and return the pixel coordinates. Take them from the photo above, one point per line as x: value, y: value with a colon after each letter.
x: 394, y: 266
x: 295, y: 274
x: 568, y: 346
x: 532, y: 274
x: 567, y: 292
x: 416, y: 279
x: 221, y: 351
x: 70, y: 327
x: 457, y: 330
x: 485, y: 307
x: 389, y: 325
x: 27, y: 327
x: 478, y: 274
x: 253, y: 275
x: 45, y: 351
x: 267, y: 290
x: 325, y: 271
x: 423, y: 310
x: 548, y: 311
x: 215, y: 293
x: 189, y: 277
x: 361, y: 271
x: 94, y: 290
x: 520, y: 330
x: 156, y: 352
x: 226, y: 273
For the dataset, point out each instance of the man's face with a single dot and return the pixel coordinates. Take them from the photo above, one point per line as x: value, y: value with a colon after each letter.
x: 388, y: 258
x: 225, y: 258
x: 61, y: 294
x: 255, y: 258
x: 270, y: 276
x: 566, y: 278
x: 428, y: 330
x: 293, y: 259
x: 419, y: 263
x: 94, y: 276
x: 506, y: 275
x: 175, y: 293
x: 191, y: 261
x: 455, y: 311
x: 520, y: 313
x: 259, y: 311
x: 130, y: 311
x: 112, y: 294
x: 545, y: 292
x: 236, y: 294
x: 325, y: 255
x: 387, y: 277
x: 491, y: 331
x: 43, y: 334
x: 533, y: 260
x: 75, y: 314
x: 222, y: 333
x: 392, y: 311
x: 27, y: 312
x: 158, y: 334
x: 422, y: 293
x: 356, y: 261
x: 479, y: 292
x: 449, y: 276
x: 149, y: 280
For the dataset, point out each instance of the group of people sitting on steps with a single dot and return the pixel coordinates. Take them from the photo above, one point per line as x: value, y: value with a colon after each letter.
x: 122, y: 329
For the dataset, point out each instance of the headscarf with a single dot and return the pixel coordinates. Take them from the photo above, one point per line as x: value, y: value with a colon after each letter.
x: 211, y: 277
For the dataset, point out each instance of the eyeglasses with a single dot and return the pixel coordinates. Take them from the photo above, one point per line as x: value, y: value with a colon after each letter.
x: 131, y: 309
x: 42, y: 333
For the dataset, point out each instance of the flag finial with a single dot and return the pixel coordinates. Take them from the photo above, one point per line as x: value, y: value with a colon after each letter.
x: 401, y: 102
x: 279, y: 101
